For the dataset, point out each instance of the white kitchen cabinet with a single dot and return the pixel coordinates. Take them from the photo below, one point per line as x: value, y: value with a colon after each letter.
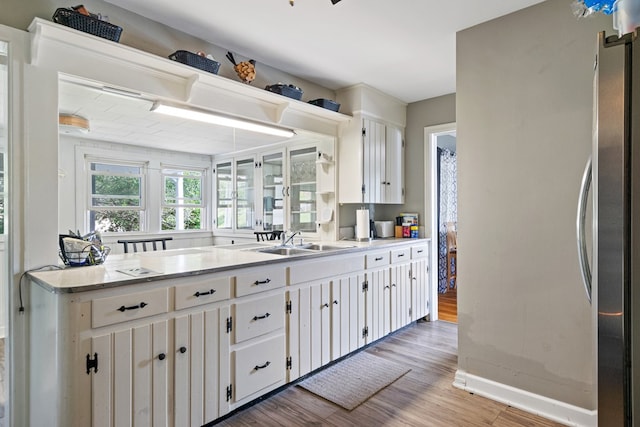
x: 289, y: 187
x: 371, y: 149
x: 383, y: 163
x: 197, y: 353
x: 256, y: 333
x: 295, y: 190
x: 136, y: 366
x: 400, y: 314
x: 323, y: 321
x: 204, y: 345
x: 420, y: 283
x: 377, y: 310
x: 130, y: 383
x: 235, y: 194
x: 345, y: 313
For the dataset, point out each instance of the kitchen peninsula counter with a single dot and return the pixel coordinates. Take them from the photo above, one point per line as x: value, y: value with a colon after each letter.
x: 132, y: 268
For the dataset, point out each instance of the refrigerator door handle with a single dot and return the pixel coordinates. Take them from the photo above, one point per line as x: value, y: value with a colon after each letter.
x: 585, y: 269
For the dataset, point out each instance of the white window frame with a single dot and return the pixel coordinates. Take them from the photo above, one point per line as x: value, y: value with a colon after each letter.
x: 154, y: 160
x: 203, y: 194
x: 142, y: 208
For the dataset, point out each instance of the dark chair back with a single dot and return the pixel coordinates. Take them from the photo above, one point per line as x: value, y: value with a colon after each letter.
x: 142, y: 243
x: 261, y: 236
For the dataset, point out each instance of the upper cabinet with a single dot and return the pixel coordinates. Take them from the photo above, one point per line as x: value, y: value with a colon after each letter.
x: 371, y: 149
x: 383, y: 163
x: 291, y: 187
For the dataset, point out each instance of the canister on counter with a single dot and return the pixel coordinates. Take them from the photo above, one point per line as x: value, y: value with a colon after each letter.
x: 414, y: 231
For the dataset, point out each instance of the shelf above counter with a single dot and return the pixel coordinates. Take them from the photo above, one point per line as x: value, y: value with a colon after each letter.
x: 77, y: 54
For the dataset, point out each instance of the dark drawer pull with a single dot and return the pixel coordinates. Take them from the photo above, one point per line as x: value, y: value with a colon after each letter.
x: 199, y: 294
x: 261, y: 282
x: 258, y: 367
x: 133, y: 307
x: 387, y: 287
x: 162, y: 356
x: 182, y: 349
x: 261, y: 317
x: 335, y: 301
x: 399, y: 255
x: 394, y: 285
x: 326, y: 304
x: 379, y: 259
x: 420, y: 251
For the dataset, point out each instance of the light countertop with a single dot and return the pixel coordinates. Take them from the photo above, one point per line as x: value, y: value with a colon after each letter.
x: 125, y: 269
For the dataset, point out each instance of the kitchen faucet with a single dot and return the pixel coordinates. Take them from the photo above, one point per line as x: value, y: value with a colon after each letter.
x: 286, y: 239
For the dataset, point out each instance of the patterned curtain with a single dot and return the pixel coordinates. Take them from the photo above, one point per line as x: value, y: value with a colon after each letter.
x: 448, y: 209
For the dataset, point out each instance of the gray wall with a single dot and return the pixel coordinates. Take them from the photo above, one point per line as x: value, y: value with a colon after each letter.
x: 150, y: 36
x: 524, y: 114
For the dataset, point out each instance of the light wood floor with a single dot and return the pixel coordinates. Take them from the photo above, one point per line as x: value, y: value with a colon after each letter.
x: 422, y: 397
x: 448, y: 306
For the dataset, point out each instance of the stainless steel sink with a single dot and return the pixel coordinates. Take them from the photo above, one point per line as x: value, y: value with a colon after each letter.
x: 323, y: 247
x: 305, y: 249
x: 285, y: 251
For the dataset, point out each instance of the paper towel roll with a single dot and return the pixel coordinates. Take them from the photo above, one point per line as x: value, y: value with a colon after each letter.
x: 362, y: 224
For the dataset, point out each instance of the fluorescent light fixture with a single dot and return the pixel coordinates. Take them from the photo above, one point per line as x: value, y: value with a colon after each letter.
x: 220, y: 119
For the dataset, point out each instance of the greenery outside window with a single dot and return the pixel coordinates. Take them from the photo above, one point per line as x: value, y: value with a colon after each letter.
x: 116, y: 202
x: 182, y: 199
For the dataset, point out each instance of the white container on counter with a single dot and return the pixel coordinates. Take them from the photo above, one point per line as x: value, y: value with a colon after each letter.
x: 385, y: 228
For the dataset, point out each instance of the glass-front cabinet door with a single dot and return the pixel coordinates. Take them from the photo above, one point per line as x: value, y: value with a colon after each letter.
x: 235, y: 194
x: 273, y: 192
x: 302, y: 189
x: 224, y: 196
x: 244, y: 192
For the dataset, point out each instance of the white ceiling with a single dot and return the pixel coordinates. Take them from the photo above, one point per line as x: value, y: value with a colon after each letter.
x: 405, y: 48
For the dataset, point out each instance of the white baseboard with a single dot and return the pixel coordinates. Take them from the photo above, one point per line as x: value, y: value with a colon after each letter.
x: 555, y: 410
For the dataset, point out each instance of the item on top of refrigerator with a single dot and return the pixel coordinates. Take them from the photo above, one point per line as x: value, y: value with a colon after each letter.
x: 583, y: 8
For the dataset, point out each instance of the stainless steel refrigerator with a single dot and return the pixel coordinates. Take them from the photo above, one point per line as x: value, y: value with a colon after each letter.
x: 615, y: 293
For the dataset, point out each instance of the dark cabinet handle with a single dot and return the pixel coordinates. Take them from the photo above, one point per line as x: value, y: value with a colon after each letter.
x: 262, y: 282
x: 199, y: 294
x: 394, y: 285
x: 258, y: 367
x: 261, y: 317
x: 182, y: 349
x: 420, y: 251
x: 133, y: 307
x: 387, y: 287
x: 335, y: 301
x: 379, y: 259
x: 162, y: 356
x: 388, y: 183
x: 400, y: 255
x: 326, y: 304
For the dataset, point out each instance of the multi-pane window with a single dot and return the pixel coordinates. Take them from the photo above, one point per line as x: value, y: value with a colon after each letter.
x: 116, y: 202
x: 182, y: 201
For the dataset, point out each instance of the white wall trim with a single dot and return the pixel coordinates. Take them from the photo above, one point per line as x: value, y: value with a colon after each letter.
x: 430, y: 205
x: 555, y: 410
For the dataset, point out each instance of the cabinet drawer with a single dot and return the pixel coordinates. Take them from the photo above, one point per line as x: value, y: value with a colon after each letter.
x: 202, y: 291
x: 419, y: 251
x: 400, y: 255
x: 107, y: 311
x: 377, y: 259
x: 260, y: 280
x: 258, y: 366
x: 258, y: 317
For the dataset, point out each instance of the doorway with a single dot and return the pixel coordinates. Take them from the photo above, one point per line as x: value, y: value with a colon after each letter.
x: 440, y: 144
